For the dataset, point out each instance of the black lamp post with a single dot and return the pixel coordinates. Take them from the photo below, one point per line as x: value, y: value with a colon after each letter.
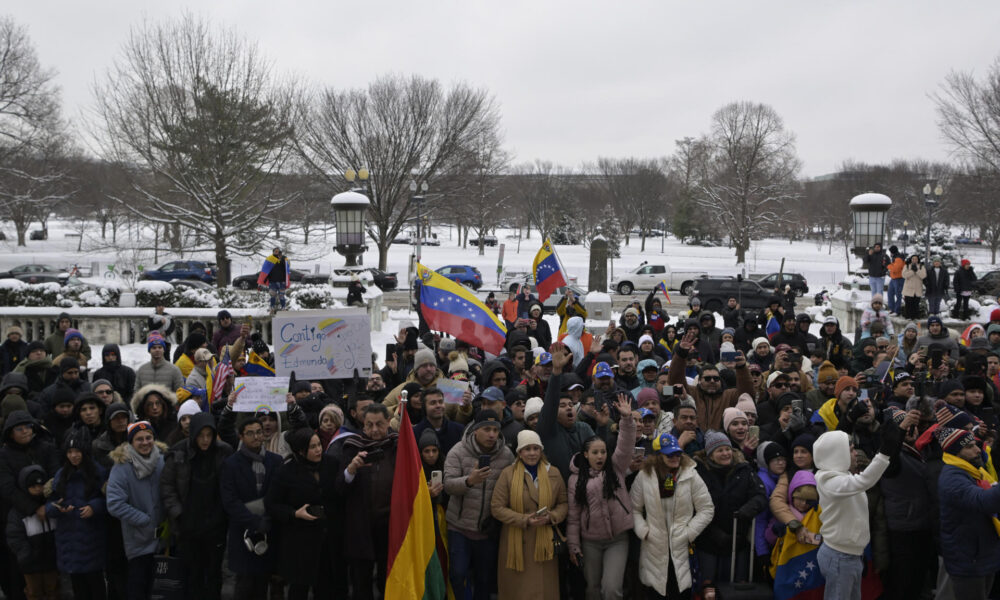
x: 349, y: 210
x: 931, y: 201
x: 868, y: 212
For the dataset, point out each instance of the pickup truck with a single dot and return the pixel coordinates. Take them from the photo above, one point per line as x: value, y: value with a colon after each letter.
x: 647, y: 276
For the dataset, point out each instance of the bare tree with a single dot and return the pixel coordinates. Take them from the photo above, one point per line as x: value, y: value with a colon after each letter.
x: 753, y: 170
x: 478, y: 200
x: 208, y: 126
x: 637, y: 189
x: 541, y: 186
x: 969, y: 115
x: 29, y: 101
x: 688, y: 170
x: 400, y: 129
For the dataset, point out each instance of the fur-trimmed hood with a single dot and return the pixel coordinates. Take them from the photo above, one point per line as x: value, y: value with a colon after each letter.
x: 139, y: 398
x: 120, y: 455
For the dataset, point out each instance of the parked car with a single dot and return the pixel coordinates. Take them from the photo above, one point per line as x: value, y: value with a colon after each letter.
x: 988, y: 284
x: 63, y: 279
x: 647, y: 277
x: 401, y: 239
x: 967, y: 241
x: 249, y: 281
x: 464, y: 274
x: 714, y: 292
x: 39, y: 234
x: 428, y: 241
x: 189, y: 284
x: 28, y: 269
x: 771, y: 282
x: 382, y: 280
x: 182, y: 269
x: 488, y: 240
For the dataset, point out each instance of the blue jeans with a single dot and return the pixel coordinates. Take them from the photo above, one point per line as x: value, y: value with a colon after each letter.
x: 277, y: 290
x: 877, y: 284
x: 895, y: 295
x: 934, y: 304
x: 842, y: 573
x: 481, y: 556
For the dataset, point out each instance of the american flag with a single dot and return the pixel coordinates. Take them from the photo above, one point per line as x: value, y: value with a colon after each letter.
x: 219, y: 375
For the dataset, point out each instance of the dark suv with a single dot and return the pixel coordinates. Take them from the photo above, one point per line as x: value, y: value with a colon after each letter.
x: 796, y: 281
x: 714, y: 292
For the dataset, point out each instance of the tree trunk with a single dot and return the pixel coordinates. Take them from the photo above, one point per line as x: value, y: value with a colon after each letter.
x: 221, y: 261
x: 741, y: 254
x: 383, y: 254
x: 104, y: 228
x: 642, y: 247
x: 21, y: 230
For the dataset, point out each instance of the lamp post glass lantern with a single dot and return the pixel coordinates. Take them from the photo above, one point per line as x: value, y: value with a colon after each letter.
x: 931, y: 201
x: 349, y: 210
x: 868, y: 212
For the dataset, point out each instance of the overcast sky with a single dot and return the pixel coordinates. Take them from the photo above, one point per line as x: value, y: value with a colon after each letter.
x: 580, y: 79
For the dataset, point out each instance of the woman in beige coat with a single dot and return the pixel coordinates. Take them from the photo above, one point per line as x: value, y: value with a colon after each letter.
x: 529, y: 500
x: 914, y: 274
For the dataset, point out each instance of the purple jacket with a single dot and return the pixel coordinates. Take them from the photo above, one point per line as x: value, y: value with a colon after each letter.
x: 602, y: 518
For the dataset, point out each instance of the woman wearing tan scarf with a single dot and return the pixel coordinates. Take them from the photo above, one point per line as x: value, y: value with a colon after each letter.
x: 527, y: 567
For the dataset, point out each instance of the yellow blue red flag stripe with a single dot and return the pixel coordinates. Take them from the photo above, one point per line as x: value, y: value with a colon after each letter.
x: 453, y: 309
x: 548, y: 273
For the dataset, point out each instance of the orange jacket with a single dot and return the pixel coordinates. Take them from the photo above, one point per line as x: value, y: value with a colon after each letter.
x: 895, y: 268
x: 509, y: 310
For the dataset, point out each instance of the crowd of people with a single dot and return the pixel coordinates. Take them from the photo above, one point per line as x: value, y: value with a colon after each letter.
x: 637, y: 460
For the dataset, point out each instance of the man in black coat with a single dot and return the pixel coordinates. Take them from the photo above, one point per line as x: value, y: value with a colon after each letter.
x: 12, y: 350
x: 244, y: 480
x: 936, y: 285
x: 964, y: 278
x: 122, y: 378
x: 876, y: 262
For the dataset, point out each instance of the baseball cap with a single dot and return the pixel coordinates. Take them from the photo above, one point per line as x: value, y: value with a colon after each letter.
x: 603, y: 370
x: 666, y: 444
x: 645, y: 412
x: 545, y: 358
x: 775, y: 376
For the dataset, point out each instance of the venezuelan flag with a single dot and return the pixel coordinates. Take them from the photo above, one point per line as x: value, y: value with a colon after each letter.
x: 663, y: 288
x: 548, y: 273
x: 413, y: 570
x: 269, y: 264
x: 452, y: 308
x: 257, y: 366
x: 772, y: 327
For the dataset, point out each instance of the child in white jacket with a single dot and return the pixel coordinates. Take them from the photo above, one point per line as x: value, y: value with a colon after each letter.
x: 844, y: 507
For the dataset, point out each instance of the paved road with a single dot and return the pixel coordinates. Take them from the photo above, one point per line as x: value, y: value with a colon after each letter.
x: 399, y: 300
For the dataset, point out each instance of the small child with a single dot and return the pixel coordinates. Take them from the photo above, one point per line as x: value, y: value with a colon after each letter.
x: 32, y: 540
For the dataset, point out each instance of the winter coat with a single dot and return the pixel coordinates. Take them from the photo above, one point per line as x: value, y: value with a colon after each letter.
x: 538, y: 580
x: 710, y: 408
x: 906, y: 489
x: 963, y: 280
x: 667, y: 526
x: 135, y: 502
x: 35, y: 552
x: 48, y: 395
x: 937, y: 281
x: 122, y: 378
x: 469, y: 507
x: 11, y: 353
x: 560, y: 443
x: 913, y: 281
x: 225, y: 337
x: 367, y: 498
x: 14, y: 458
x: 577, y: 309
x: 945, y: 338
x: 896, y: 266
x: 876, y: 263
x: 39, y: 374
x: 175, y: 484
x: 80, y: 543
x: 869, y: 316
x: 602, y: 518
x: 237, y: 487
x: 294, y: 485
x: 732, y: 490
x: 55, y: 345
x: 836, y: 344
x: 167, y: 422
x: 164, y: 374
x: 969, y: 542
x: 448, y: 436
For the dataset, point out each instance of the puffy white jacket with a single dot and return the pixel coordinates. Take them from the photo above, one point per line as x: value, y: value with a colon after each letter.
x: 668, y: 532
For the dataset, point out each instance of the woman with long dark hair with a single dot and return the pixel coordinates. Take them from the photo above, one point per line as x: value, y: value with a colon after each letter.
x: 77, y: 504
x: 600, y: 510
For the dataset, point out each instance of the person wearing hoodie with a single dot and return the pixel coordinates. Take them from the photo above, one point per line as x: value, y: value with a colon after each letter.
x: 189, y: 492
x: 13, y: 349
x: 60, y: 418
x: 473, y: 534
x: 844, y: 504
x: 78, y: 511
x: 772, y: 461
x: 832, y: 340
x: 69, y: 380
x: 121, y: 378
x: 188, y: 409
x: 157, y: 405
x: 962, y: 282
x: 37, y: 368
x: 133, y: 497
x: 116, y: 419
x: 243, y: 482
x: 735, y: 490
x: 875, y: 313
x: 31, y: 537
x: 576, y: 339
x: 539, y: 327
x: 73, y: 347
x: 88, y: 412
x: 600, y: 509
x: 969, y: 500
x: 937, y: 333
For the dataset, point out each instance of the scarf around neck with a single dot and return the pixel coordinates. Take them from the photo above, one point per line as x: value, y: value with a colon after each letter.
x: 515, y: 535
x: 256, y: 463
x: 978, y: 474
x: 143, y: 465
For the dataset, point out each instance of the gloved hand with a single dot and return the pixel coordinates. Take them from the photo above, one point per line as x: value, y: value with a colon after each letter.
x: 856, y: 411
x: 797, y: 422
x: 745, y: 513
x: 892, y: 439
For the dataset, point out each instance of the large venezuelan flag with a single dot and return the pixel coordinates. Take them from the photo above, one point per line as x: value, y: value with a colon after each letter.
x: 452, y: 308
x: 413, y: 570
x: 269, y: 263
x: 257, y: 366
x: 548, y: 273
x: 795, y: 567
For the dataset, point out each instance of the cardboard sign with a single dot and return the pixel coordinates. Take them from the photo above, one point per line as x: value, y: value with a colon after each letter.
x: 258, y: 394
x: 322, y: 344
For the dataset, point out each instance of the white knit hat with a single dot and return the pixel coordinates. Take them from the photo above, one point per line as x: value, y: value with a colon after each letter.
x: 190, y: 408
x: 527, y: 437
x: 759, y: 341
x: 532, y: 407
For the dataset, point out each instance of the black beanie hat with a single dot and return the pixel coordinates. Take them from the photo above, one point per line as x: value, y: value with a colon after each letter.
x: 428, y: 438
x: 67, y: 363
x: 806, y: 440
x: 32, y: 346
x: 772, y: 451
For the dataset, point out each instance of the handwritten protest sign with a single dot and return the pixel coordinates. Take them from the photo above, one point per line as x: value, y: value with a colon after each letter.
x: 453, y: 390
x: 322, y: 344
x: 261, y: 393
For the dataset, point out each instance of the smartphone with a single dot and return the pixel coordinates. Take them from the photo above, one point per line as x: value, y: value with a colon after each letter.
x: 541, y: 511
x: 754, y: 432
x: 796, y: 404
x: 988, y: 414
x: 730, y: 356
x: 437, y: 477
x: 484, y: 460
x: 316, y: 510
x: 390, y: 350
x: 374, y: 455
x: 937, y: 357
x: 668, y: 391
x: 639, y: 452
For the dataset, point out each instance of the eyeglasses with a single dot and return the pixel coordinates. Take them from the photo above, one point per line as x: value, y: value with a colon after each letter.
x: 712, y: 378
x: 104, y: 392
x: 781, y: 385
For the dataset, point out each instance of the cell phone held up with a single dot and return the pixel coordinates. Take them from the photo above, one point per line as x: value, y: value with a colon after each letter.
x: 484, y: 461
x: 374, y: 456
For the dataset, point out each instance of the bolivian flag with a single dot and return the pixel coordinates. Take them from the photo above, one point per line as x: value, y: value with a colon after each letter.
x: 413, y: 571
